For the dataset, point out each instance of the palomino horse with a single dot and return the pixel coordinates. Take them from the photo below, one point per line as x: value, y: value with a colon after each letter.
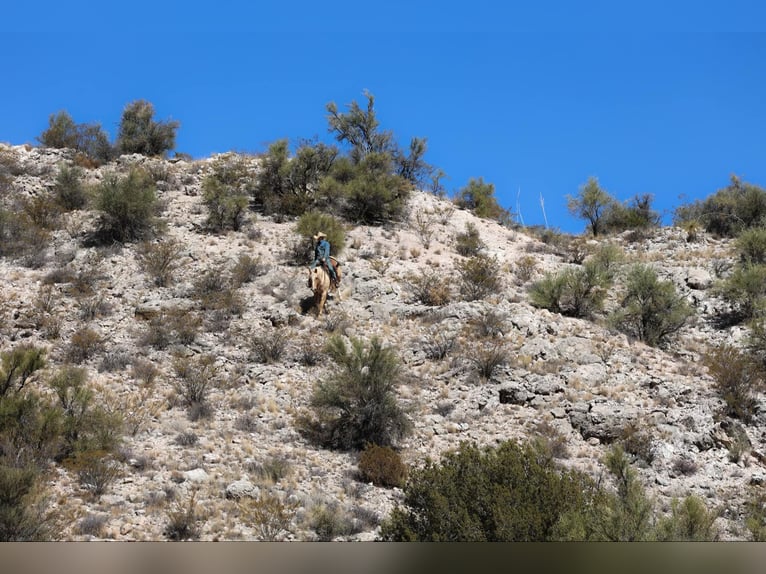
x: 320, y: 284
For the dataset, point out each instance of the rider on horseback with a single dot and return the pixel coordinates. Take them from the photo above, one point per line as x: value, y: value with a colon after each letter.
x: 322, y: 255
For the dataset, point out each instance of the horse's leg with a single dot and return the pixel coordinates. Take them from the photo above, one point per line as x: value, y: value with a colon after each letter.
x: 322, y: 301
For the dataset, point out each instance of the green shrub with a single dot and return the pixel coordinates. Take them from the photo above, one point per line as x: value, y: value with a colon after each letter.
x: 69, y: 189
x: 358, y: 405
x: 689, y: 521
x: 738, y: 379
x: 382, y: 466
x: 751, y: 245
x: 745, y: 290
x: 140, y: 133
x: 651, y: 309
x: 128, y: 206
x: 480, y: 277
x: 627, y: 515
x: 510, y: 493
x: 469, y: 243
x: 287, y: 186
x: 575, y: 292
x: 227, y: 206
x: 592, y: 204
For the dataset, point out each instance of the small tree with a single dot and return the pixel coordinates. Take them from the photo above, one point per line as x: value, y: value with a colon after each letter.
x: 591, y: 204
x: 359, y: 129
x: 358, y: 404
x: 140, y: 133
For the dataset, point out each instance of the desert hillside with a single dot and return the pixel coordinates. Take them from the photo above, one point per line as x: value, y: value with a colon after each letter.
x: 235, y: 312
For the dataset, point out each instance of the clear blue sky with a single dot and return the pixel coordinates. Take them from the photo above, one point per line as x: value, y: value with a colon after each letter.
x: 667, y: 98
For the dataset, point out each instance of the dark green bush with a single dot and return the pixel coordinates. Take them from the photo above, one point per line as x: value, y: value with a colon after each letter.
x: 140, y: 133
x: 728, y: 211
x: 128, y: 207
x: 382, y: 466
x: 367, y: 193
x: 22, y: 514
x: 651, y: 309
x: 87, y: 139
x: 312, y: 222
x: 288, y: 186
x: 358, y: 404
x: 511, y: 493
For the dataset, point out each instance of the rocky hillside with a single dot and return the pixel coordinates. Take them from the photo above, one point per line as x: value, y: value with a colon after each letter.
x: 575, y: 382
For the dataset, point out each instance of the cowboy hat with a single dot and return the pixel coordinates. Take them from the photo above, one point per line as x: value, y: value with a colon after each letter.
x: 320, y: 235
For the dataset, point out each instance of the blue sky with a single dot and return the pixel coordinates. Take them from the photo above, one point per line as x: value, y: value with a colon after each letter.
x: 667, y: 98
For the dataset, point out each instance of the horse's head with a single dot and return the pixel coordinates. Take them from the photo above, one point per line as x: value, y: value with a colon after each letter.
x: 313, y: 275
